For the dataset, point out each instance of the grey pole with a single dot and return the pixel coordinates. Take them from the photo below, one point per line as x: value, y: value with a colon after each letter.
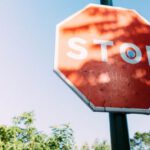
x: 118, y: 121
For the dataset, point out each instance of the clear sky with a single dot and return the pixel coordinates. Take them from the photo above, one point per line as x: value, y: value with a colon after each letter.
x: 27, y: 81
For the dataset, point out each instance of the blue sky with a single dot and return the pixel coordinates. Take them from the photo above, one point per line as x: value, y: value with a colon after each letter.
x: 27, y: 81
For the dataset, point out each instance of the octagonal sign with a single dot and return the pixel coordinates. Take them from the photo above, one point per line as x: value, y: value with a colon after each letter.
x: 103, y: 54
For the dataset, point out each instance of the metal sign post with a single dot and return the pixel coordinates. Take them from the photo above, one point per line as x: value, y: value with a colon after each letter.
x: 119, y: 131
x: 106, y: 2
x: 118, y: 121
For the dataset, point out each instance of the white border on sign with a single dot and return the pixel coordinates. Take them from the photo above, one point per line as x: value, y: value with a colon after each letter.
x: 85, y: 100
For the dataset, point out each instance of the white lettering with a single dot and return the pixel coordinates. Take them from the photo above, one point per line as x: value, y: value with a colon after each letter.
x: 129, y: 52
x: 148, y: 53
x: 104, y: 44
x: 134, y: 56
x: 81, y: 52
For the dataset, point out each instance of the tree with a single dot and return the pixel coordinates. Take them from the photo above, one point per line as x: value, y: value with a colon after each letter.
x: 85, y: 147
x: 62, y: 138
x: 100, y: 145
x: 97, y: 145
x: 140, y: 141
x: 22, y: 135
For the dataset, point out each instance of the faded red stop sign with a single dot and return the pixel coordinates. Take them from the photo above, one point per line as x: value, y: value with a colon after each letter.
x: 103, y: 54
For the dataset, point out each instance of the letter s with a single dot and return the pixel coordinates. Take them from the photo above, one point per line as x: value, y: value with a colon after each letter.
x: 80, y: 52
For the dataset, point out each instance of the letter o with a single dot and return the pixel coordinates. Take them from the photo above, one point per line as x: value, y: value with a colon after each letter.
x: 124, y: 56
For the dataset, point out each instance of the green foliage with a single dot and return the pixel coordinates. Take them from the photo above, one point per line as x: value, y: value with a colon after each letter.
x: 100, y: 145
x: 96, y: 146
x: 85, y: 147
x: 140, y: 141
x: 22, y: 135
x: 26, y: 119
x: 62, y: 138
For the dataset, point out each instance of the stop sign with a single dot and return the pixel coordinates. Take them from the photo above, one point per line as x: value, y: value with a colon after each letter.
x: 103, y: 54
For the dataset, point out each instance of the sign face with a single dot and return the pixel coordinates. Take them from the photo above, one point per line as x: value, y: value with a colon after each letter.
x: 103, y: 54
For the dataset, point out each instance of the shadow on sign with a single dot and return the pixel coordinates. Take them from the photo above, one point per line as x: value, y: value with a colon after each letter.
x: 115, y: 83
